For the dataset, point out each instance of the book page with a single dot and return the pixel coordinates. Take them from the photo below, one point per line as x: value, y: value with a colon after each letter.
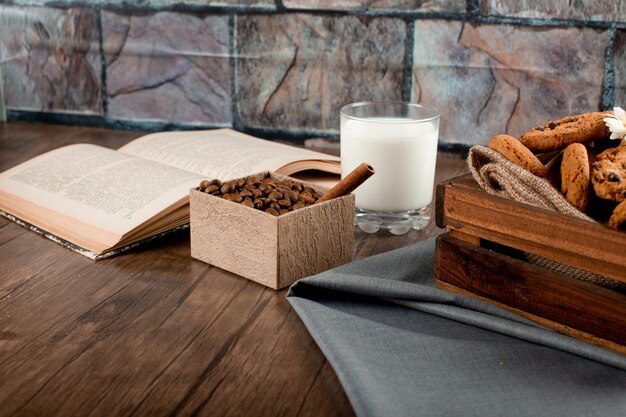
x: 98, y: 186
x: 224, y: 153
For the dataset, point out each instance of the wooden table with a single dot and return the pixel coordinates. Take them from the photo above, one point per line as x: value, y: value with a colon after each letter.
x: 152, y: 331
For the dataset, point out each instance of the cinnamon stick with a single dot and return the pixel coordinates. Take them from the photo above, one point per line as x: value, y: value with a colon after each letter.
x: 349, y: 183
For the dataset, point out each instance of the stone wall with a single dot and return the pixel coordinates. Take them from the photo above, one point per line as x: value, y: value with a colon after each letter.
x: 284, y: 68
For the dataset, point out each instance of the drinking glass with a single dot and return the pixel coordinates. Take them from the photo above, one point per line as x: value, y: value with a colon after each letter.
x: 399, y: 140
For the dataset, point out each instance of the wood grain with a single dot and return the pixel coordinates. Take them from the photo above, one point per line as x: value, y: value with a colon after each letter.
x: 585, y: 245
x: 151, y: 332
x: 574, y: 307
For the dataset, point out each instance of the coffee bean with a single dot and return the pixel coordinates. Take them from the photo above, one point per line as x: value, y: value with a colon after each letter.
x: 203, y: 185
x: 252, y: 184
x: 291, y: 195
x: 258, y: 204
x: 307, y: 199
x: 233, y: 197
x: 275, y: 195
x: 227, y: 187
x: 266, y: 188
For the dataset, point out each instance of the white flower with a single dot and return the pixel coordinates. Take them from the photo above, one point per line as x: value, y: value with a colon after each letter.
x: 616, y: 123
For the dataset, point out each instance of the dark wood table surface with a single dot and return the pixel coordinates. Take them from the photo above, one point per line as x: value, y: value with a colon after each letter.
x: 152, y: 331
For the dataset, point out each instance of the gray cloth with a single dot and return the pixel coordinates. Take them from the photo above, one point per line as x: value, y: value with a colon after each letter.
x: 402, y: 347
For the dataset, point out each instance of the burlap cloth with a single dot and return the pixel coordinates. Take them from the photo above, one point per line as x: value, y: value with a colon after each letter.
x: 498, y: 176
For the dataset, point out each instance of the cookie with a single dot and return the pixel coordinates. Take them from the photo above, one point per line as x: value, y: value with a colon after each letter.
x: 513, y: 150
x: 584, y: 128
x: 575, y: 176
x: 618, y: 218
x: 608, y: 174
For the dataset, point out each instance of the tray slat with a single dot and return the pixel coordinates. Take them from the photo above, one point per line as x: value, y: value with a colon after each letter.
x: 462, y: 205
x: 567, y: 305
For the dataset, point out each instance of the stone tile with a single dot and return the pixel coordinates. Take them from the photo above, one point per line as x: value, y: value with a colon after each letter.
x: 251, y: 3
x: 296, y: 71
x: 406, y: 5
x: 610, y: 10
x: 154, y: 4
x: 491, y: 79
x: 619, y: 62
x: 168, y: 67
x: 50, y: 59
x: 240, y: 2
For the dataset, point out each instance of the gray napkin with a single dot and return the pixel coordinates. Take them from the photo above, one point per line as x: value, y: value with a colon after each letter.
x: 402, y: 347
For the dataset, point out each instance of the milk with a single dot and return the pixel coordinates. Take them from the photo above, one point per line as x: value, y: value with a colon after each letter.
x: 403, y: 153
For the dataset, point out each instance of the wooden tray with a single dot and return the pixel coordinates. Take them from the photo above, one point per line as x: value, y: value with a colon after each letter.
x: 482, y: 256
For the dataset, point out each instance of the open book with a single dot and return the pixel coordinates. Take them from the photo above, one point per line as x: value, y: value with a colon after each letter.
x: 98, y: 201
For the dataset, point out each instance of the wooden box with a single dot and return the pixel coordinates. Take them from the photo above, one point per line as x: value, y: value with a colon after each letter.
x: 272, y: 250
x: 486, y: 252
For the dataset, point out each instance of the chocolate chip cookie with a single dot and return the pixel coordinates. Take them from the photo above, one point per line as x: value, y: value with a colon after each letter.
x: 608, y: 174
x: 513, y: 150
x: 618, y: 218
x: 575, y: 176
x: 584, y: 128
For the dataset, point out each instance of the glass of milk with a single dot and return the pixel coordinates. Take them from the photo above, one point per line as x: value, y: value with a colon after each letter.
x: 399, y: 140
